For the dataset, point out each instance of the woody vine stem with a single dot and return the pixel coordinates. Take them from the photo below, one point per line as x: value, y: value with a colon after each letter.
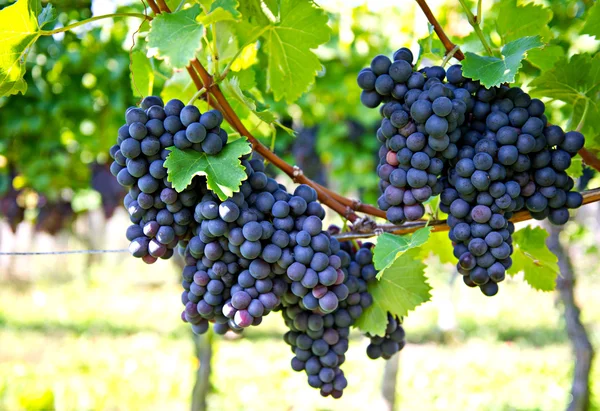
x: 363, y: 227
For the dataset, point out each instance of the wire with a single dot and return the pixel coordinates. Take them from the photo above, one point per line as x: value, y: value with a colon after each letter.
x: 124, y: 250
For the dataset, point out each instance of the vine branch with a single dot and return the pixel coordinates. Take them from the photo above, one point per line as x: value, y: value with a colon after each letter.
x: 589, y: 196
x: 343, y: 206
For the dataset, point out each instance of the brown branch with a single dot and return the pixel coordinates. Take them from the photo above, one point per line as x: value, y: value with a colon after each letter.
x: 590, y: 159
x: 293, y: 172
x: 589, y: 196
x: 440, y: 31
x: 153, y: 6
x: 163, y: 6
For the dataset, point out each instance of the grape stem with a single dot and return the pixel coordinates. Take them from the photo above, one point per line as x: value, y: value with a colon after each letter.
x: 589, y: 196
x: 439, y: 30
x: 196, y: 96
x: 86, y: 21
x: 474, y: 22
x: 589, y: 157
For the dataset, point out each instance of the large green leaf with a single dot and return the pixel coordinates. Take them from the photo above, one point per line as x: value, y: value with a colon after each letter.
x: 402, y: 288
x: 577, y: 83
x: 224, y: 172
x: 179, y: 86
x: 514, y: 22
x: 390, y: 247
x: 176, y: 37
x: 532, y: 257
x: 292, y: 65
x: 19, y: 29
x: 544, y: 58
x: 493, y: 71
x: 142, y: 75
x: 440, y: 246
x: 221, y: 10
x: 592, y: 22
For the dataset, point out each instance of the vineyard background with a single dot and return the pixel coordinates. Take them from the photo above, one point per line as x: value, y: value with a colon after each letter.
x: 103, y: 331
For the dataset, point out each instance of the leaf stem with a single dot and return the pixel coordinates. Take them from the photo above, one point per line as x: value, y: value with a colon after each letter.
x: 473, y: 21
x: 479, y: 16
x: 215, y: 50
x: 196, y: 96
x: 227, y: 68
x: 584, y: 115
x: 449, y: 55
x: 180, y: 5
x: 86, y: 21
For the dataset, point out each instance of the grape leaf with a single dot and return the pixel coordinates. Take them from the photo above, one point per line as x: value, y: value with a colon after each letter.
x: 142, y: 75
x: 592, y: 22
x: 224, y: 172
x: 232, y: 87
x: 440, y: 246
x: 221, y: 10
x: 533, y: 258
x: 19, y: 29
x: 175, y: 37
x: 576, y: 82
x: 179, y: 86
x: 493, y: 71
x: 252, y: 11
x: 292, y: 65
x: 544, y: 58
x: 402, y: 289
x: 576, y: 168
x: 430, y: 47
x: 47, y: 15
x: 390, y: 247
x: 514, y: 22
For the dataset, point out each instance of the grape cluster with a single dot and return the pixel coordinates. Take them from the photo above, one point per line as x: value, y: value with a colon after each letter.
x: 489, y: 152
x: 392, y: 342
x: 509, y: 159
x: 419, y: 130
x: 319, y: 340
x: 160, y: 215
x: 261, y: 250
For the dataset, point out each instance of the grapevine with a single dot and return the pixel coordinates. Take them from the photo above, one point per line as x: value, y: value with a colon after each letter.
x: 464, y: 141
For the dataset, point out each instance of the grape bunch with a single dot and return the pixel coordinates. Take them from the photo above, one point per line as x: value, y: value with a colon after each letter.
x: 392, y: 342
x: 509, y: 159
x: 160, y: 215
x: 419, y: 130
x: 319, y: 340
x: 489, y: 152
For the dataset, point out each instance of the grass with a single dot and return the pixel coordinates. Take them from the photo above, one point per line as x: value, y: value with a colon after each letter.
x: 115, y: 342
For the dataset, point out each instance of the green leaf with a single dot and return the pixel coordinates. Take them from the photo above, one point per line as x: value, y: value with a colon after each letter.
x: 222, y: 10
x: 531, y: 255
x: 47, y: 15
x: 179, y: 86
x: 514, y: 22
x: 440, y: 246
x: 142, y: 75
x: 224, y: 172
x: 18, y: 31
x: 175, y: 37
x: 544, y: 58
x: 493, y: 71
x: 431, y: 47
x: 402, y: 289
x: 592, y: 22
x: 576, y: 168
x: 292, y: 66
x: 577, y: 83
x: 252, y: 11
x: 390, y: 247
